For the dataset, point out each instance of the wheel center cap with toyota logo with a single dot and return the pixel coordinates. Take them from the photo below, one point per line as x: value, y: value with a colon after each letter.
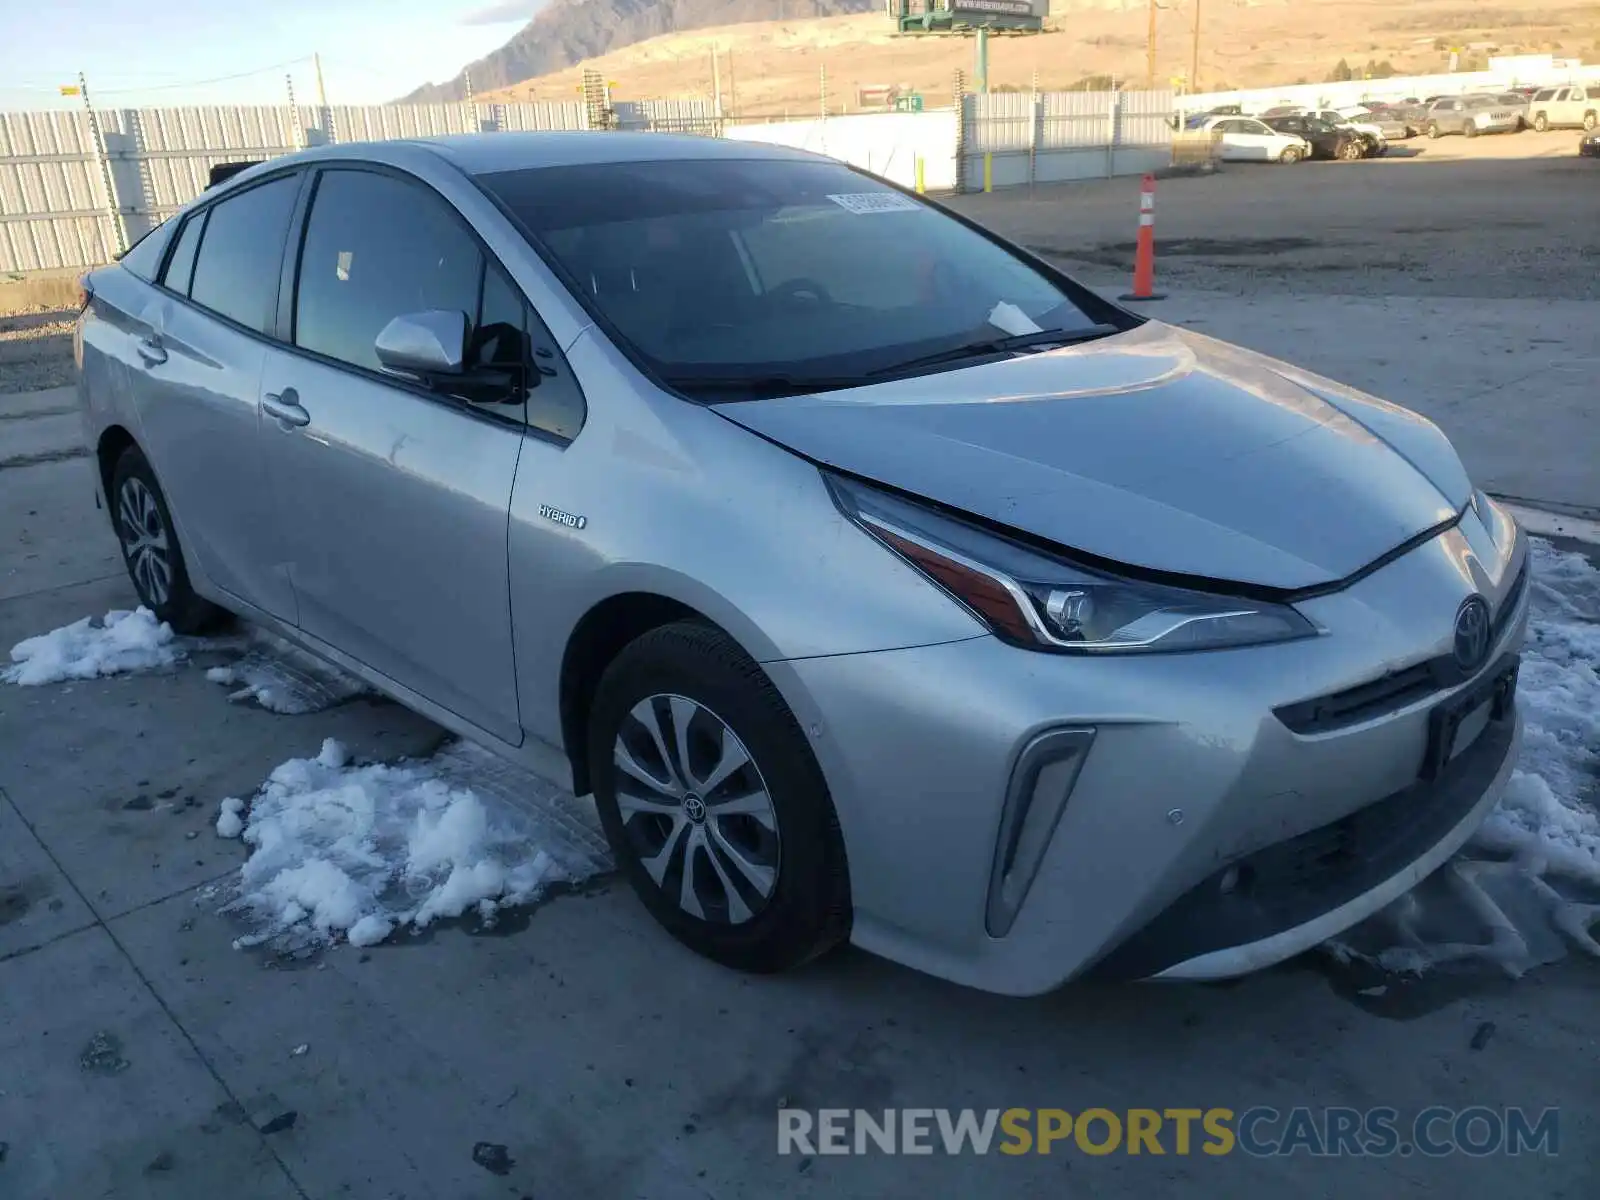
x: 1472, y: 633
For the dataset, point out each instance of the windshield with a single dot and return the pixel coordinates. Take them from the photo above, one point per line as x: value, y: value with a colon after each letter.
x: 778, y: 274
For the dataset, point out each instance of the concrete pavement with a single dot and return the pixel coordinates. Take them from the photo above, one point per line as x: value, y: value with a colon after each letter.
x: 578, y: 1051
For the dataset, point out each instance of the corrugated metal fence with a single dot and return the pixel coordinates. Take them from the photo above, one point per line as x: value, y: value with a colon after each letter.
x: 75, y: 188
x: 1010, y: 138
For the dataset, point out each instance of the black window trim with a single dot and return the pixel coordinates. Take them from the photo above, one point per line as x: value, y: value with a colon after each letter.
x: 203, y: 211
x: 288, y: 291
x: 1090, y: 303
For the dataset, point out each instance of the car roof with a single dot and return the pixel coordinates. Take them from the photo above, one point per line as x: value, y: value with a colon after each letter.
x: 486, y: 153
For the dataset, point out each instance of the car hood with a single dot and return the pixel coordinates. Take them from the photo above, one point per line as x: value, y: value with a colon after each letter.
x: 1158, y: 448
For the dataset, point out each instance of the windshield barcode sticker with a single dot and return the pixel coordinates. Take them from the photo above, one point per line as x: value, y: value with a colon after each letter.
x: 863, y: 203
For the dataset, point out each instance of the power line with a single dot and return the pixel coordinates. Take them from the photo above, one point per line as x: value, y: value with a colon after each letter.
x: 192, y: 83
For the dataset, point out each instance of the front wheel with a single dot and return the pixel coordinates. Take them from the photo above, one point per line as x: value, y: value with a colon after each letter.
x: 1470, y: 130
x: 1290, y: 155
x: 1433, y: 129
x: 1352, y: 150
x: 715, y: 808
x: 150, y: 550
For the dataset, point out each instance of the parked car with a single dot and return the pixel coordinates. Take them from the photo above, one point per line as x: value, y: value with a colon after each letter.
x: 1575, y: 105
x: 1589, y: 144
x: 1517, y: 103
x: 1245, y: 139
x: 1379, y: 119
x: 1413, y: 112
x: 1326, y: 140
x: 1471, y: 115
x: 878, y: 580
x: 1370, y: 131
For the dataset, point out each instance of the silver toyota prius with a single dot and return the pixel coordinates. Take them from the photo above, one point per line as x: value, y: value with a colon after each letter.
x: 880, y: 582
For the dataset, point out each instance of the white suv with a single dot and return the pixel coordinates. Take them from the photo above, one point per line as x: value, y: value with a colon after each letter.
x: 1245, y: 139
x: 1551, y: 108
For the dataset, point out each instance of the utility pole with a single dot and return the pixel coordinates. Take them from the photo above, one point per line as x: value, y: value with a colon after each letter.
x: 472, y: 103
x: 322, y: 91
x: 716, y: 84
x: 1150, y: 51
x: 1194, y: 61
x: 823, y: 82
x: 102, y: 154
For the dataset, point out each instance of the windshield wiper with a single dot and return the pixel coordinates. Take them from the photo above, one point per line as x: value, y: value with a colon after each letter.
x: 999, y: 345
x: 763, y: 385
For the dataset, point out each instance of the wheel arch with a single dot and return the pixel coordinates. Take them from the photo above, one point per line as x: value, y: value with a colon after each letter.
x: 608, y: 627
x: 114, y: 441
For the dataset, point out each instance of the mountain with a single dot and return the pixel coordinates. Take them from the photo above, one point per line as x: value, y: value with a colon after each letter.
x: 566, y: 32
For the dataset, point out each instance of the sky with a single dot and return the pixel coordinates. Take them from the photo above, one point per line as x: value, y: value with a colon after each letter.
x: 177, y: 52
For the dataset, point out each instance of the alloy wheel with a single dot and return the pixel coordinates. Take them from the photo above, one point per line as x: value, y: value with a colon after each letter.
x: 696, y: 809
x: 145, y: 541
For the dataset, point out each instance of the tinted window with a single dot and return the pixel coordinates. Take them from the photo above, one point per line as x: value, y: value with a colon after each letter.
x: 1252, y: 127
x: 143, y: 258
x: 180, y: 267
x: 236, y: 273
x: 1544, y: 94
x: 376, y: 248
x: 511, y: 335
x: 733, y: 271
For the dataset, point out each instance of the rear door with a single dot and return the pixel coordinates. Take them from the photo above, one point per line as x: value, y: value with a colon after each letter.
x: 395, y: 497
x: 204, y: 333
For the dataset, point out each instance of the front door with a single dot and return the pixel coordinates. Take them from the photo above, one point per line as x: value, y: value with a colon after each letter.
x: 396, y: 496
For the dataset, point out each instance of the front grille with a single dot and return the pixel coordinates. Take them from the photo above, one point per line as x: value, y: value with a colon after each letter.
x: 1397, y: 690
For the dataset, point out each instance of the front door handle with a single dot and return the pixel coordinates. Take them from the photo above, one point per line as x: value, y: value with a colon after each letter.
x: 151, y: 350
x: 285, y: 406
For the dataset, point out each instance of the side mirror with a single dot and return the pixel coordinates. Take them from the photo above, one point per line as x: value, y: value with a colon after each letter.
x: 425, y: 345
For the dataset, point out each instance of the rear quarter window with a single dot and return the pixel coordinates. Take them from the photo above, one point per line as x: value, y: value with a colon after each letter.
x: 143, y: 258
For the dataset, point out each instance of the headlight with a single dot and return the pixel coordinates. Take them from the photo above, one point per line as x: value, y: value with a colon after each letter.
x: 1043, y: 602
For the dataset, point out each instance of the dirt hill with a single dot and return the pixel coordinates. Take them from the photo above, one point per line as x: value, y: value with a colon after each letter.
x: 792, y: 67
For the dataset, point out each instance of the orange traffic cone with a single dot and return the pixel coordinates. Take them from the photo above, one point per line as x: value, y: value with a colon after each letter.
x: 1144, y: 255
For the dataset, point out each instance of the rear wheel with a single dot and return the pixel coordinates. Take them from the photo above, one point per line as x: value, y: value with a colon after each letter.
x: 1590, y: 120
x: 1290, y: 155
x: 715, y: 809
x: 1433, y: 129
x: 1541, y: 123
x: 150, y: 549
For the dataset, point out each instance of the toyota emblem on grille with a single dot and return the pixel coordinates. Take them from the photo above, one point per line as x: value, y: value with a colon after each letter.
x: 1472, y: 633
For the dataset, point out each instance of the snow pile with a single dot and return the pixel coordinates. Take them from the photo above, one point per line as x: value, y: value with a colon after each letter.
x: 342, y: 849
x: 1548, y: 816
x: 120, y: 642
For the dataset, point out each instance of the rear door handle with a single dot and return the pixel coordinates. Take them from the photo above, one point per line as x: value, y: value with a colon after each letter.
x: 285, y: 406
x: 151, y: 350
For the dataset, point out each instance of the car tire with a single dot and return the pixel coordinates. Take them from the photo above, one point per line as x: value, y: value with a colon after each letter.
x: 1590, y: 121
x: 1470, y: 130
x: 150, y: 549
x: 1433, y: 129
x: 1351, y: 150
x: 749, y: 870
x: 1541, y: 123
x: 1290, y: 156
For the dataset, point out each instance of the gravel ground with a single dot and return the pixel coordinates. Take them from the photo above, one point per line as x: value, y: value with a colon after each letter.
x: 1496, y: 217
x: 36, y: 350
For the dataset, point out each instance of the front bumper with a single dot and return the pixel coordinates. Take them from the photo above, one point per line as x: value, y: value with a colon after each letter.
x: 1189, y: 771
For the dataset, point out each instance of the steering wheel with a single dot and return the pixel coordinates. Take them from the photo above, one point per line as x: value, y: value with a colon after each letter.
x: 803, y: 289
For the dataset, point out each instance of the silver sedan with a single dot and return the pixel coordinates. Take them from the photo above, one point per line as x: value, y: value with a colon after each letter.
x: 879, y: 581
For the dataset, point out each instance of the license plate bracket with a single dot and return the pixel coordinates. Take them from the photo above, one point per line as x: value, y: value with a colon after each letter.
x: 1498, y: 690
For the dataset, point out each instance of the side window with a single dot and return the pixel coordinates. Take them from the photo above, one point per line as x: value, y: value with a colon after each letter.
x: 236, y: 271
x: 1258, y: 127
x: 511, y: 337
x: 1561, y: 94
x: 180, y: 267
x: 376, y: 248
x: 143, y: 258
